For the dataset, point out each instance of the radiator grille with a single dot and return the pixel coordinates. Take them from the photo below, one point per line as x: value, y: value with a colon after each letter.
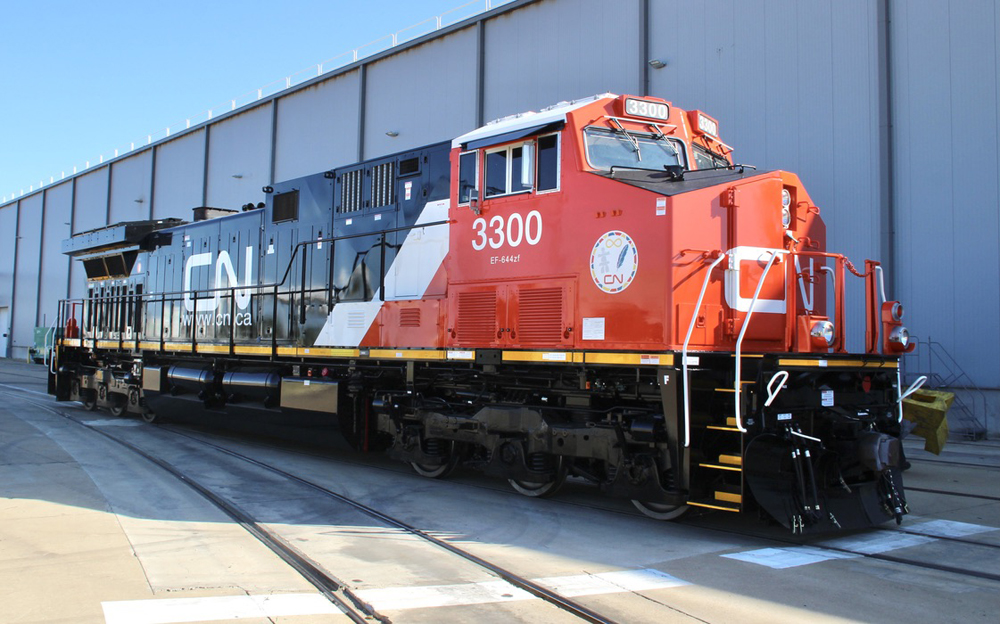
x: 540, y: 315
x: 384, y: 184
x: 477, y: 314
x: 351, y: 191
x: 409, y: 317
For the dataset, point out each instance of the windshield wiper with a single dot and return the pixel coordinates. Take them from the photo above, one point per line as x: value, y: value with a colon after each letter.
x: 631, y: 139
x: 631, y: 168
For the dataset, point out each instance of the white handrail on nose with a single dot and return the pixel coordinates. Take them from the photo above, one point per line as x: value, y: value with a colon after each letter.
x: 738, y: 386
x: 772, y: 393
x: 684, y: 350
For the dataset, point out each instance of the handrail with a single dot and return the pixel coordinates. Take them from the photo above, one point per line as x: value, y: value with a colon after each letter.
x: 291, y: 262
x: 773, y: 393
x: 743, y: 330
x: 260, y: 289
x: 684, y: 350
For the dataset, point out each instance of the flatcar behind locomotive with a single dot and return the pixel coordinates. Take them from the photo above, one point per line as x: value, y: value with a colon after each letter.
x: 594, y: 290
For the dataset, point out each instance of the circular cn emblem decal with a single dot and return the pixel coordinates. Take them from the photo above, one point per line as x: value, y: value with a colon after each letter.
x: 614, y: 261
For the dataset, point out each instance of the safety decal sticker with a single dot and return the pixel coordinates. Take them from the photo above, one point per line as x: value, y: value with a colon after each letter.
x: 614, y: 261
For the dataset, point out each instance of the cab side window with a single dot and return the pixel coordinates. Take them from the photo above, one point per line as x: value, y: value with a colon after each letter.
x: 548, y: 163
x: 509, y: 170
x: 468, y: 176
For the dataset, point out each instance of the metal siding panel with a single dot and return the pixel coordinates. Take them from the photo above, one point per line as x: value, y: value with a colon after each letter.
x: 552, y: 51
x: 55, y: 264
x: 923, y: 179
x: 792, y: 85
x: 239, y: 146
x: 975, y: 200
x: 848, y: 174
x: 781, y: 106
x: 428, y: 114
x: 8, y: 235
x: 130, y: 182
x: 91, y: 201
x: 685, y: 51
x: 29, y: 241
x: 91, y: 212
x: 180, y: 170
x: 747, y: 132
x: 317, y: 128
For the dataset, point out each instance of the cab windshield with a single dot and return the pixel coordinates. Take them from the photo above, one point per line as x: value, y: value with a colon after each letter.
x: 608, y: 148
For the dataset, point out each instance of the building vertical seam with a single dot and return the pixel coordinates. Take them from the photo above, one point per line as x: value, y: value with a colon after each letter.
x: 13, y: 283
x: 204, y: 172
x: 362, y: 90
x: 41, y: 249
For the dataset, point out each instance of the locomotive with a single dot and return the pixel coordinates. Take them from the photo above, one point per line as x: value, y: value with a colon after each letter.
x: 484, y: 303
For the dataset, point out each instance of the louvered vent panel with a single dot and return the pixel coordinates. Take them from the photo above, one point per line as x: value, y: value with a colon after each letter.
x: 409, y: 317
x: 540, y: 315
x: 384, y: 184
x: 350, y: 191
x: 477, y: 313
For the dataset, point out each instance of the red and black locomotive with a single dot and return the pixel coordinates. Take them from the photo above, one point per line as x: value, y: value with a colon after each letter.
x: 595, y: 290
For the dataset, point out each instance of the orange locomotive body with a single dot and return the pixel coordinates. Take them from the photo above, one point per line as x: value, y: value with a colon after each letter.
x: 595, y: 291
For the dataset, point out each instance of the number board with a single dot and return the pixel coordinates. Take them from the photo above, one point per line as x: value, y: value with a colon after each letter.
x: 645, y: 108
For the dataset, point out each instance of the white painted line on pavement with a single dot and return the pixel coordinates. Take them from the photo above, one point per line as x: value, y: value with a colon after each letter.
x: 611, y: 582
x: 877, y: 542
x: 113, y: 423
x: 398, y: 598
x: 395, y: 598
x: 173, y: 610
x: 950, y: 528
x: 790, y: 557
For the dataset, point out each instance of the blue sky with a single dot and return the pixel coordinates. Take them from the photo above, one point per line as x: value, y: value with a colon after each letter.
x: 79, y: 79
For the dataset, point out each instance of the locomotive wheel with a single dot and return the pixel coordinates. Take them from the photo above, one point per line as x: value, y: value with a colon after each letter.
x: 151, y: 417
x: 537, y: 489
x: 89, y: 401
x: 444, y: 449
x: 435, y: 471
x: 660, y: 511
x: 118, y: 406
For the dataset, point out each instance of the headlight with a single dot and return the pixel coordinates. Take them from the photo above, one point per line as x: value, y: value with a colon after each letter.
x: 822, y: 334
x: 899, y: 336
x: 786, y: 209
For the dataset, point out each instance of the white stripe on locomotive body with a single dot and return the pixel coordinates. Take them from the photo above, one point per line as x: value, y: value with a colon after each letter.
x: 421, y: 255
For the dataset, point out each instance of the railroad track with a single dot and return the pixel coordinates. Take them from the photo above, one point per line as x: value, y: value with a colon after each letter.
x: 949, y: 493
x: 329, y: 585
x: 533, y: 588
x: 814, y: 542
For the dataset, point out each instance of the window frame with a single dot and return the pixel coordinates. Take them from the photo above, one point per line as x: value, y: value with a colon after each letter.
x: 538, y: 163
x: 681, y: 146
x: 718, y: 160
x: 509, y: 173
x: 476, y: 158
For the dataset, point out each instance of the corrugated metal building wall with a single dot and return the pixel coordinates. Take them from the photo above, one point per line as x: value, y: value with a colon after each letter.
x: 887, y: 110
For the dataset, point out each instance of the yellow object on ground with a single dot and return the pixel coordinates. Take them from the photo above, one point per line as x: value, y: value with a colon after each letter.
x: 928, y: 409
